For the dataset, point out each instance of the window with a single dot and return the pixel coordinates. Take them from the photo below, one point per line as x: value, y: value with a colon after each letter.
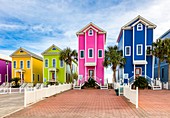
x: 38, y: 78
x: 33, y: 77
x: 81, y: 53
x: 21, y: 65
x: 14, y: 64
x: 127, y: 51
x: 149, y: 50
x: 54, y: 63
x: 139, y: 49
x: 90, y: 33
x: 28, y: 64
x: 139, y: 27
x: 100, y: 53
x: 162, y: 73
x: 90, y: 55
x: 61, y: 63
x: 46, y: 63
x: 0, y: 78
x: 53, y: 48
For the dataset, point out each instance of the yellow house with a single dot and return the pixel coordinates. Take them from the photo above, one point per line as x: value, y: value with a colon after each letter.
x: 27, y: 66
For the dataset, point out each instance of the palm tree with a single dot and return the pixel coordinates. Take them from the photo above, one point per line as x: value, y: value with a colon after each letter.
x: 158, y: 50
x: 167, y: 53
x: 113, y: 58
x: 68, y: 56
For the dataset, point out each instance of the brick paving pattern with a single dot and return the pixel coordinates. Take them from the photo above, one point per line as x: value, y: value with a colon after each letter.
x: 155, y: 103
x: 82, y: 104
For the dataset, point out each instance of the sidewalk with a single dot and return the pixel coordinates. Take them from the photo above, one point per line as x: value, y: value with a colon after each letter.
x: 89, y: 103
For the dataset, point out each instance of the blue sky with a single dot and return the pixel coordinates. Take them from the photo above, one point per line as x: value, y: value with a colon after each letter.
x: 37, y: 24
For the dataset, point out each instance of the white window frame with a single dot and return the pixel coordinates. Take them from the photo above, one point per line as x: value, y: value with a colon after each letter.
x: 27, y: 64
x: 55, y: 63
x: 0, y: 78
x: 45, y: 63
x: 126, y: 50
x: 89, y: 32
x: 98, y: 53
x: 80, y: 54
x: 20, y: 64
x: 60, y: 64
x: 15, y: 63
x: 147, y: 48
x: 141, y: 49
x: 139, y: 27
x: 89, y: 53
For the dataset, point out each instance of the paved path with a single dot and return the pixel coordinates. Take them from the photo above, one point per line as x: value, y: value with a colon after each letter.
x: 10, y: 103
x: 82, y: 104
x: 155, y: 103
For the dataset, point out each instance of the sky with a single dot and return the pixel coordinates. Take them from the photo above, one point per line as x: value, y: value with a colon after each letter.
x: 37, y: 24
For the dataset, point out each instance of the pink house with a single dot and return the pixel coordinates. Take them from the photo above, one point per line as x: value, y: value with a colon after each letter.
x: 91, y: 41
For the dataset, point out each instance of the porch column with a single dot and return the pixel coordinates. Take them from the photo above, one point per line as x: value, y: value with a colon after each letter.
x: 55, y: 74
x: 21, y: 77
x: 145, y: 70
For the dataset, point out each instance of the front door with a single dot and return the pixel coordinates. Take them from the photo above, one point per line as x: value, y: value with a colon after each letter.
x: 91, y: 74
x: 138, y: 72
x: 53, y: 75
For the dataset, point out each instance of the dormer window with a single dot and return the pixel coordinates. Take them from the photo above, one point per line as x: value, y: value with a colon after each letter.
x: 139, y: 27
x: 90, y: 33
x: 54, y: 48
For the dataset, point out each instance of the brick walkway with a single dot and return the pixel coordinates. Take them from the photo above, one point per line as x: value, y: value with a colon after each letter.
x: 82, y: 104
x: 155, y: 103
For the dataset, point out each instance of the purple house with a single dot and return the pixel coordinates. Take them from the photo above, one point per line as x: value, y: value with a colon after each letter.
x: 5, y: 70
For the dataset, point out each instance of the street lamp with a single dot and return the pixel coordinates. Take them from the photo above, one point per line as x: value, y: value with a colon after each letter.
x: 7, y: 70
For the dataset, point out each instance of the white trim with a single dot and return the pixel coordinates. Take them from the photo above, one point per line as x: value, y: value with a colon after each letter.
x: 83, y: 55
x: 55, y: 62
x: 98, y: 53
x: 45, y: 63
x: 153, y: 61
x: 140, y: 62
x: 139, y: 27
x: 63, y: 64
x: 145, y: 42
x: 89, y: 32
x: 133, y: 43
x: 123, y: 49
x: 92, y: 53
x: 27, y: 64
x: 126, y: 50
x: 141, y: 49
x: 20, y: 64
x: 90, y: 64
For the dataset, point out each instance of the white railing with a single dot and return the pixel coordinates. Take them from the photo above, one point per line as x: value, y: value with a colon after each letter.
x: 132, y: 95
x: 33, y: 95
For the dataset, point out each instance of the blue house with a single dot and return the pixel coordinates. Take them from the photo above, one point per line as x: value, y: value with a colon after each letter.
x: 163, y: 66
x: 134, y: 39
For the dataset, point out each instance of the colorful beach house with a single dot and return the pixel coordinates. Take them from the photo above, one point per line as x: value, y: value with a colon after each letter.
x: 27, y: 66
x: 134, y: 39
x: 91, y: 41
x: 164, y: 67
x: 53, y: 68
x: 5, y: 70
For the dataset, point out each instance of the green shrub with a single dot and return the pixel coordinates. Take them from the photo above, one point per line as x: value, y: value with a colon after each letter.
x: 140, y: 82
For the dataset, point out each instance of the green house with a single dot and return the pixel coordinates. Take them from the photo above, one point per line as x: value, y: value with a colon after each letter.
x: 53, y: 68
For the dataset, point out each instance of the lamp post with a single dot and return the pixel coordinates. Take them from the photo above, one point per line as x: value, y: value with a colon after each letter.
x: 7, y: 70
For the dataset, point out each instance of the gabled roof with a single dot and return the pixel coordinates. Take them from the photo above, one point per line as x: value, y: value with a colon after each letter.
x: 93, y: 26
x: 139, y: 19
x: 50, y: 48
x: 134, y: 22
x: 163, y: 35
x: 29, y: 53
x: 5, y: 59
